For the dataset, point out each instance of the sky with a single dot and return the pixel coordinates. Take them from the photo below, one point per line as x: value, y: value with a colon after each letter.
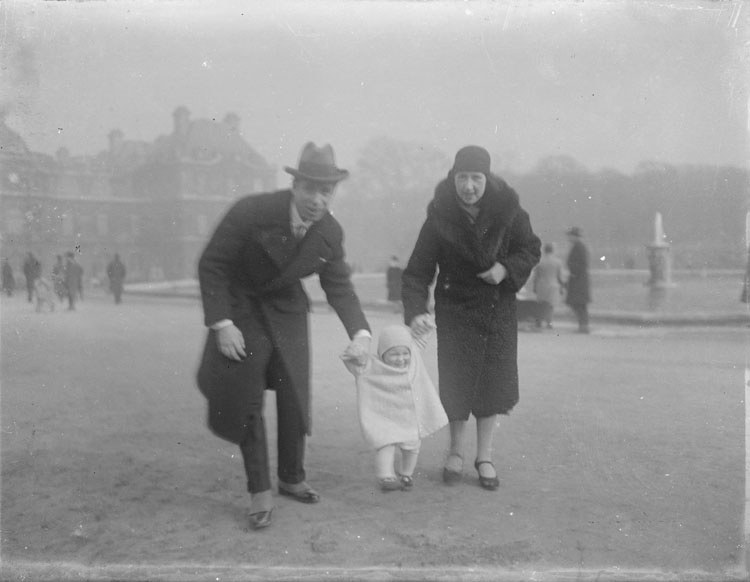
x: 608, y: 83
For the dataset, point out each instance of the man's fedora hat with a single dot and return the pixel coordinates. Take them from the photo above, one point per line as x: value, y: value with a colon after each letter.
x: 317, y: 164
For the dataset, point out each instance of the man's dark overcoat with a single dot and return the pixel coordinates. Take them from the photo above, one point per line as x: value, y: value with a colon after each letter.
x: 578, y: 285
x: 116, y: 272
x: 250, y: 273
x: 476, y: 322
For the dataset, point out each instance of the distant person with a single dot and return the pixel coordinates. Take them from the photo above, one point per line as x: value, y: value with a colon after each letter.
x: 44, y: 293
x: 32, y: 269
x: 116, y: 272
x: 479, y: 240
x: 745, y: 295
x: 578, y: 288
x: 256, y: 309
x: 58, y: 278
x: 547, y: 282
x: 397, y: 404
x: 73, y: 280
x: 9, y: 281
x: 393, y: 280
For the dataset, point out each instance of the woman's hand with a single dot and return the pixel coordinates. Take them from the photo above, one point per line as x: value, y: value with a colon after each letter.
x: 231, y: 343
x: 494, y: 275
x: 422, y: 324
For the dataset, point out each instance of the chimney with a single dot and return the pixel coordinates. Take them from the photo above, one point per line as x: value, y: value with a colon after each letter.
x: 62, y: 155
x: 232, y: 122
x: 181, y: 118
x: 115, y: 141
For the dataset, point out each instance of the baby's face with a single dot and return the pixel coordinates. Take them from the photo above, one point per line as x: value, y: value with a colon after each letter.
x: 397, y: 356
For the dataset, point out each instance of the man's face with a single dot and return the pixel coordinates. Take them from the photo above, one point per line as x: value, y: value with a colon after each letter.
x: 312, y: 199
x: 470, y: 186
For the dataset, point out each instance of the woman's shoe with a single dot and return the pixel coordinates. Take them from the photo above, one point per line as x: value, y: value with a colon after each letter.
x: 490, y: 483
x: 451, y: 476
x: 389, y: 484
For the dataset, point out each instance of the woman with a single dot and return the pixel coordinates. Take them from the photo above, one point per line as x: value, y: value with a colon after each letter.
x: 547, y: 284
x: 481, y: 240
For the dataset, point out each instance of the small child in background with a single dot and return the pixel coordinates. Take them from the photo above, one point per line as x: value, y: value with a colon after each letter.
x: 43, y: 293
x: 397, y: 403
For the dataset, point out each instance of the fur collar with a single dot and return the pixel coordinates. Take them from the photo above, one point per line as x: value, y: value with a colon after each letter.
x: 478, y: 242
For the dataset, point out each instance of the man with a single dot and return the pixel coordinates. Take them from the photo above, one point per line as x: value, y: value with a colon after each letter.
x: 578, y: 287
x: 32, y: 270
x: 116, y: 273
x: 393, y: 282
x: 9, y: 281
x: 73, y: 279
x: 256, y: 309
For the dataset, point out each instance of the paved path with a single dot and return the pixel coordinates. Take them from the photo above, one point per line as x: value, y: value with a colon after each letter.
x: 623, y: 460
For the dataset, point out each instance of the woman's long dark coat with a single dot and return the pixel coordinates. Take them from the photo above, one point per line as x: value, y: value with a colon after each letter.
x: 476, y: 322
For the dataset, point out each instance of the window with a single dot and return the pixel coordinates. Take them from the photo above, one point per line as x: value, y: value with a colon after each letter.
x: 102, y: 224
x: 135, y: 224
x: 67, y: 223
x: 202, y: 224
x: 14, y: 221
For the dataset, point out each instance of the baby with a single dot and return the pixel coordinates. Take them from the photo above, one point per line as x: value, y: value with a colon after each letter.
x: 397, y: 404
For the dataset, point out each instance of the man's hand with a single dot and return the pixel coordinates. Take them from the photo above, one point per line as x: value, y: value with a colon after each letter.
x: 231, y: 343
x: 494, y: 275
x: 422, y: 324
x: 358, y: 350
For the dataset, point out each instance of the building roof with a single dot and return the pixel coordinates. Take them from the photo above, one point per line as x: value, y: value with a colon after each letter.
x: 208, y: 140
x: 11, y: 142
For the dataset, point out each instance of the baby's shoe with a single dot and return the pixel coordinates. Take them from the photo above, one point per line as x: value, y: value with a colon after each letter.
x: 407, y: 483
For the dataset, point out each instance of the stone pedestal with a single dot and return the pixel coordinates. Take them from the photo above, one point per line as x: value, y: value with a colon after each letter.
x: 660, y: 266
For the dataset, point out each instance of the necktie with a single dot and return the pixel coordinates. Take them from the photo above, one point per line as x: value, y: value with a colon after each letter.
x: 300, y: 230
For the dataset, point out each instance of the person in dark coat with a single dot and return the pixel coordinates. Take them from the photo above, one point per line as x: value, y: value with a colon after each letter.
x: 480, y: 238
x: 32, y: 270
x: 578, y: 288
x: 393, y: 280
x: 116, y: 272
x: 745, y: 293
x: 256, y: 309
x: 73, y: 280
x: 9, y: 281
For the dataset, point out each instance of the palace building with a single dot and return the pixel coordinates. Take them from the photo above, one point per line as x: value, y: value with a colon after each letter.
x: 155, y: 203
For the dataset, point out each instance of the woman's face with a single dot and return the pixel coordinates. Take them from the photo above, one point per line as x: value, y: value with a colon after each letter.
x: 397, y: 356
x: 470, y: 186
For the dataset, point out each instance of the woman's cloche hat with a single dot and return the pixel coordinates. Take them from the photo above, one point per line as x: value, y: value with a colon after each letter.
x: 317, y: 164
x: 472, y: 159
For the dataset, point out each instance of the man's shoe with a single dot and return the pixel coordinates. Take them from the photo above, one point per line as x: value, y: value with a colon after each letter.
x: 261, y: 519
x: 308, y: 495
x: 389, y: 484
